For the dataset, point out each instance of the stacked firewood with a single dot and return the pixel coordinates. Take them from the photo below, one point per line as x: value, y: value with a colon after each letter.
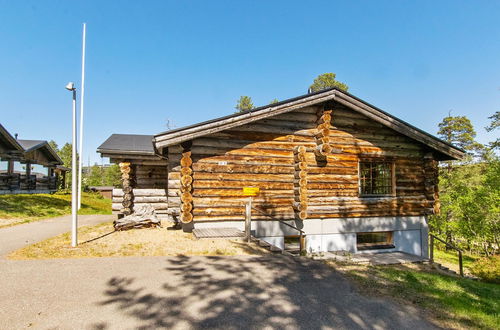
x: 186, y: 186
x: 322, y: 133
x: 144, y: 216
x: 300, y: 182
x: 127, y: 183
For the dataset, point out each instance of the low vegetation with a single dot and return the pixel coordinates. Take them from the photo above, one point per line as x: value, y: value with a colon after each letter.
x: 103, y: 241
x: 448, y: 301
x: 22, y: 208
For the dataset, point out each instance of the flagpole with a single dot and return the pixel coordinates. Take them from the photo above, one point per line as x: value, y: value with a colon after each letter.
x: 80, y: 163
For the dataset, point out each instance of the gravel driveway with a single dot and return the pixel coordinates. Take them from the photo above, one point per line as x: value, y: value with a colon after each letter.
x: 189, y: 293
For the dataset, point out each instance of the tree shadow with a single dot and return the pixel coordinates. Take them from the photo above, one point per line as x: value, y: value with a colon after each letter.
x: 252, y: 292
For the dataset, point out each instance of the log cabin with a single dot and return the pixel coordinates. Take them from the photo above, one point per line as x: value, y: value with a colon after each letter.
x: 28, y: 166
x: 349, y: 175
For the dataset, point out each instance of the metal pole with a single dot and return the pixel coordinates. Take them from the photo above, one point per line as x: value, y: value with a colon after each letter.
x: 80, y: 165
x: 74, y: 216
x: 248, y: 219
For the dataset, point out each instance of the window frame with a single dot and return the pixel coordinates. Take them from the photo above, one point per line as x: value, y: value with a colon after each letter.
x: 392, y: 167
x: 388, y: 244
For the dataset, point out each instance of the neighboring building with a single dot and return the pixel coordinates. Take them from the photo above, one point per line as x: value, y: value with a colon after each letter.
x: 350, y: 175
x: 104, y: 191
x: 28, y: 166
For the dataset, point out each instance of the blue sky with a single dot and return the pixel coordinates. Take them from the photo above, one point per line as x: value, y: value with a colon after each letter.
x: 188, y: 61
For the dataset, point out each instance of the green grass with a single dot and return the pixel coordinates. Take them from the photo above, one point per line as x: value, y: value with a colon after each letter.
x: 22, y: 208
x: 449, y: 301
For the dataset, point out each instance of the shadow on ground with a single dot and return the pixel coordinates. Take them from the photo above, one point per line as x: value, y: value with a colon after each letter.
x: 252, y: 292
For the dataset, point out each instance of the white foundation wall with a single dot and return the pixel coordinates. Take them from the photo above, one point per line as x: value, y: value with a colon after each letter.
x: 410, y: 233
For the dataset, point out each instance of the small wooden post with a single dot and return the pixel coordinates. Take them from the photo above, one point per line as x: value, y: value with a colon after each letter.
x: 460, y: 264
x: 431, y: 248
x: 248, y: 219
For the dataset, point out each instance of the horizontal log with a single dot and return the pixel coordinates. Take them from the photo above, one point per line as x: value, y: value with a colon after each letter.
x: 241, y: 177
x: 206, y: 184
x: 234, y: 168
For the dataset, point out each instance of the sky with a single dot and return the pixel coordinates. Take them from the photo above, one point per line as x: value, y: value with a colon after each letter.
x: 152, y: 65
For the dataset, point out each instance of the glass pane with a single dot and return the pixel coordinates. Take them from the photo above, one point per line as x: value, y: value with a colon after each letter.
x: 375, y: 178
x: 39, y: 170
x: 19, y: 168
x: 4, y: 166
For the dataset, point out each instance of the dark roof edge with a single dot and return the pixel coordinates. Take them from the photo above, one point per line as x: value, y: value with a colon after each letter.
x: 11, y: 139
x: 124, y: 152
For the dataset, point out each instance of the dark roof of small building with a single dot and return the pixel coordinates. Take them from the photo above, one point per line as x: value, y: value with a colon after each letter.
x: 30, y: 145
x: 9, y: 140
x: 128, y: 144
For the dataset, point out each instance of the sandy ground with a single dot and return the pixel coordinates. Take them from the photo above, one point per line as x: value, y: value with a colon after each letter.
x: 103, y: 241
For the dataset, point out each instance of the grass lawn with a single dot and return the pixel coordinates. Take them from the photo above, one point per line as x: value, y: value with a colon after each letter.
x: 102, y: 241
x: 448, y: 301
x: 22, y: 208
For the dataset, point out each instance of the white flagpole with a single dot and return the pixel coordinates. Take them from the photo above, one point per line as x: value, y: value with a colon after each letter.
x: 80, y: 163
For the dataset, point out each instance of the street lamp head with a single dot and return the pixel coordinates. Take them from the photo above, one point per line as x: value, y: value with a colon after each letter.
x: 70, y: 86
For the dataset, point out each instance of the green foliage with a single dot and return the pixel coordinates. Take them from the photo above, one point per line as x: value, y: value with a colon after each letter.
x: 470, y: 206
x: 460, y: 302
x: 325, y: 81
x: 65, y: 153
x: 487, y: 269
x: 460, y: 132
x: 54, y: 145
x: 244, y: 104
x: 102, y: 176
x: 273, y: 101
x: 495, y: 123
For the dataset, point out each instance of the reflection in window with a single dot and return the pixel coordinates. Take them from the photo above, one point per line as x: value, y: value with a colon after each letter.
x: 375, y: 178
x: 39, y: 170
x: 19, y: 168
x: 4, y: 166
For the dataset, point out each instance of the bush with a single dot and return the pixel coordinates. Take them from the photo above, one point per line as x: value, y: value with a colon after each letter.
x: 487, y: 269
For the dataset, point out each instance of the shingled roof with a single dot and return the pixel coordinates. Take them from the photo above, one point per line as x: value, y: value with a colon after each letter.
x: 133, y: 144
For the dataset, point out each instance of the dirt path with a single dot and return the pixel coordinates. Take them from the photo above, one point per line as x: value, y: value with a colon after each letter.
x: 15, y: 237
x: 248, y: 292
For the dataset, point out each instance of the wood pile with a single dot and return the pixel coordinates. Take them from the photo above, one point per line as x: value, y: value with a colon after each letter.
x: 186, y: 188
x: 300, y: 182
x: 128, y: 191
x: 322, y: 135
x: 144, y: 216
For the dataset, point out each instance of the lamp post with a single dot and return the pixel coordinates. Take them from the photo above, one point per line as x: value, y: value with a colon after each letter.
x: 74, y: 217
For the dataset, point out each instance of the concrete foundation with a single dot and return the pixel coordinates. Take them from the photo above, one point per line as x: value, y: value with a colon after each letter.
x: 410, y: 234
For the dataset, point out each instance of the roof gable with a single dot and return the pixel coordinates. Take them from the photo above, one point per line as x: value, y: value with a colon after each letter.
x: 9, y: 146
x: 31, y: 147
x: 180, y: 135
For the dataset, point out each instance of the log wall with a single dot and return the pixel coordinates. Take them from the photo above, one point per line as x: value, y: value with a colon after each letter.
x: 321, y: 183
x: 146, y: 184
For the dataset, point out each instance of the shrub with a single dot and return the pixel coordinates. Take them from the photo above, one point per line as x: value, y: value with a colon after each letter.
x: 487, y: 269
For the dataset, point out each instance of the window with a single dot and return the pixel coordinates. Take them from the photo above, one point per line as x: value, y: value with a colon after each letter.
x: 4, y: 166
x: 375, y: 178
x: 374, y: 240
x: 39, y: 170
